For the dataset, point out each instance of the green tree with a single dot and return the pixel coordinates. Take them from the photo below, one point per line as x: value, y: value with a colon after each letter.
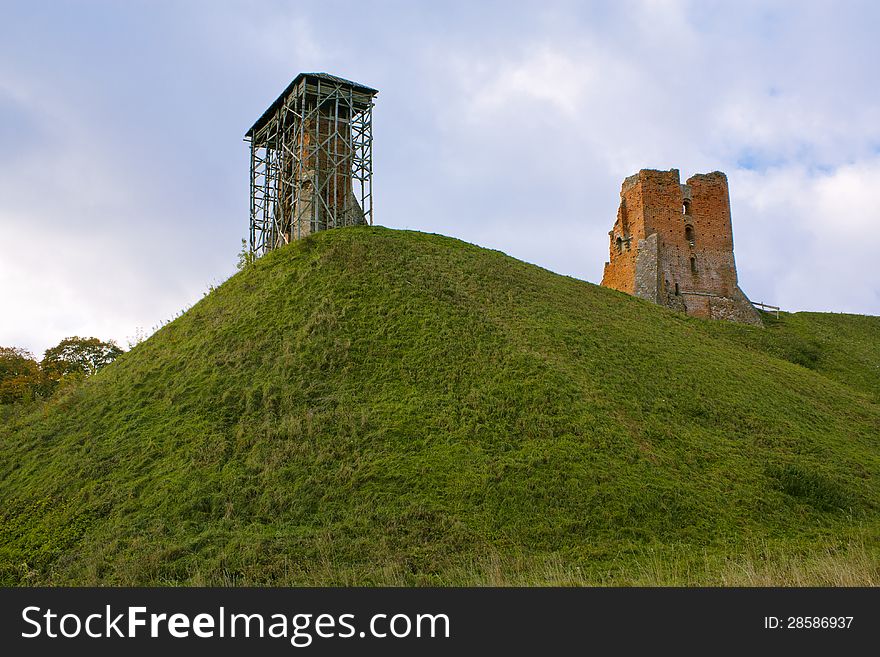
x: 20, y: 375
x: 75, y: 355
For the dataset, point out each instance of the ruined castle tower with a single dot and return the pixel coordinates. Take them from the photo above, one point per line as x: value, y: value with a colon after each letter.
x: 673, y: 244
x: 311, y: 161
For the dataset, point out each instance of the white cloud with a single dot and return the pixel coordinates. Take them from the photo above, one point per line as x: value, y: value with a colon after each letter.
x: 83, y: 252
x: 807, y: 240
x: 546, y: 77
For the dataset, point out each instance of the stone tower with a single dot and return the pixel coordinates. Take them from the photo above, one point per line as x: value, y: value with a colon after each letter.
x: 673, y: 244
x: 311, y: 161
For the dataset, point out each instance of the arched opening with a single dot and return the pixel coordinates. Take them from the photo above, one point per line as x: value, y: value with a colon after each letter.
x: 693, y: 265
x: 619, y: 245
x: 689, y: 234
x: 676, y: 289
x: 687, y: 206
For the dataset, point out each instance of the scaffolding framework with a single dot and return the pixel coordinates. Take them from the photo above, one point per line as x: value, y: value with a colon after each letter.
x: 311, y: 161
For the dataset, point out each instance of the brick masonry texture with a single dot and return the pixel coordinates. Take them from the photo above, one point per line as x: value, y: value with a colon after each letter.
x: 335, y: 176
x: 673, y: 244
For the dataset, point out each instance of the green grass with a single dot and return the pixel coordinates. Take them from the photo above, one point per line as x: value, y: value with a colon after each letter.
x: 371, y: 406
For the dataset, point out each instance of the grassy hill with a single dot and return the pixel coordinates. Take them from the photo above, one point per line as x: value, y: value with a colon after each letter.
x: 390, y: 407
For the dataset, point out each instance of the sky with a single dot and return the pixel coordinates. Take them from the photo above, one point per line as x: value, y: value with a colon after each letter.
x: 124, y: 174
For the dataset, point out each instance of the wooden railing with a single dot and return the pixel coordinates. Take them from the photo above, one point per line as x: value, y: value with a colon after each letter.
x: 766, y: 307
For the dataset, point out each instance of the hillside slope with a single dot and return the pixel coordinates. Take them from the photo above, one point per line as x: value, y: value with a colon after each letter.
x: 378, y: 406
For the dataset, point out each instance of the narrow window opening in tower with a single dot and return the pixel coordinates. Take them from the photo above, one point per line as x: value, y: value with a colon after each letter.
x: 693, y: 265
x: 676, y: 289
x: 689, y: 234
x: 619, y: 245
x: 687, y: 206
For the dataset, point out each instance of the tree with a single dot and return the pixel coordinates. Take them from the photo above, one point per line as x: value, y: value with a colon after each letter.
x: 20, y: 375
x: 77, y: 355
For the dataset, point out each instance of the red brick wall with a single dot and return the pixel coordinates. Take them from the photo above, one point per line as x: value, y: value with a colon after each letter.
x: 695, y: 242
x: 620, y: 270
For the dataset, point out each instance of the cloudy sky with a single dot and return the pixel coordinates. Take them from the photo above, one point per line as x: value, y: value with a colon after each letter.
x: 123, y: 174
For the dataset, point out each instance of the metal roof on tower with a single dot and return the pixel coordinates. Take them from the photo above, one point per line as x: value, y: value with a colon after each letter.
x: 314, y: 76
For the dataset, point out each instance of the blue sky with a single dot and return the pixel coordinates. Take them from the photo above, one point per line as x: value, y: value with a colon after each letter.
x: 123, y: 174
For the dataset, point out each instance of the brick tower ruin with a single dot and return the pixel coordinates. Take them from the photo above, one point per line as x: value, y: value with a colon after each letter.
x: 673, y: 244
x: 311, y: 161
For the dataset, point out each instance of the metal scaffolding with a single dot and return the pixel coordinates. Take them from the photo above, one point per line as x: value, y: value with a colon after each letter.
x: 311, y: 161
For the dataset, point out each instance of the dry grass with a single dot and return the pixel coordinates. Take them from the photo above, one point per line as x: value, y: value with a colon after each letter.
x: 760, y: 565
